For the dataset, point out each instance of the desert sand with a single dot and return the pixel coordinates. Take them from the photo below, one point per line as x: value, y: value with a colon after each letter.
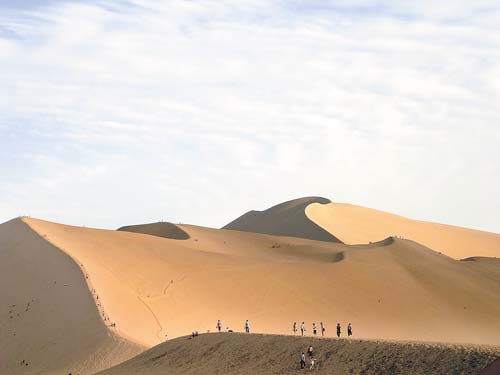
x: 97, y: 297
x: 241, y: 354
x: 49, y: 322
x: 354, y: 224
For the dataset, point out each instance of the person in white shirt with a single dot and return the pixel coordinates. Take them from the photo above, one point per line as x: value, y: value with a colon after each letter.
x: 302, y: 328
x: 247, y: 326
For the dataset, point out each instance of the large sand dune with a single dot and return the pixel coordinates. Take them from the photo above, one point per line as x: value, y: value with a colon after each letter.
x: 354, y: 224
x: 285, y: 219
x: 241, y: 354
x: 49, y: 322
x: 395, y: 289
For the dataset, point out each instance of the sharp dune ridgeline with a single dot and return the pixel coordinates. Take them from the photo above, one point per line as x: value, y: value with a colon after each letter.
x: 354, y: 224
x: 81, y: 300
x: 49, y: 322
x: 285, y: 219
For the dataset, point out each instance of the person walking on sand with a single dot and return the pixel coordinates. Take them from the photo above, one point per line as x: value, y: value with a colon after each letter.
x: 310, y: 351
x: 294, y: 328
x: 349, y: 330
x: 218, y: 326
x: 302, y: 360
x: 302, y: 328
x: 313, y: 360
x: 315, y: 329
x: 338, y: 330
x: 323, y: 329
x: 247, y: 326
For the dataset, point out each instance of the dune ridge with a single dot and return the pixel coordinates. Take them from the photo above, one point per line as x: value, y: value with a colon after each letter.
x: 160, y: 229
x: 49, y: 322
x: 285, y: 219
x: 354, y: 224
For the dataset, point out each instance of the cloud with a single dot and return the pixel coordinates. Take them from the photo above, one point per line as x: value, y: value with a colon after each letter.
x: 199, y: 111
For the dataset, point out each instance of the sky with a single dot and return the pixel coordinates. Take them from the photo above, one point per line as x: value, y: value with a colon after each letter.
x: 121, y: 112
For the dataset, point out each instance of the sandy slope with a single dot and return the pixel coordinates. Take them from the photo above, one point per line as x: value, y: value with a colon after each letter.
x: 285, y: 219
x: 353, y: 224
x: 241, y: 354
x: 49, y: 323
x: 397, y: 289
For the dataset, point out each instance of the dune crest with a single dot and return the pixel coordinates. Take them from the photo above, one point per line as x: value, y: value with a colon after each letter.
x: 355, y: 224
x: 285, y: 219
x: 160, y: 229
x: 49, y: 322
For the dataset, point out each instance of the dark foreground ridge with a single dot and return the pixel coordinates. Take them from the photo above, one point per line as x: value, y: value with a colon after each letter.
x: 255, y: 354
x: 285, y: 219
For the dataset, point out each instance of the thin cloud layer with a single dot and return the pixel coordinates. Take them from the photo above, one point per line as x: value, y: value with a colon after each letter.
x: 119, y: 112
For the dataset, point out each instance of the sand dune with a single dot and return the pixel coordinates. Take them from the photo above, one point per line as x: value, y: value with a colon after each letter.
x: 396, y: 289
x: 161, y: 229
x: 49, y: 323
x: 353, y: 224
x: 240, y: 354
x: 285, y: 219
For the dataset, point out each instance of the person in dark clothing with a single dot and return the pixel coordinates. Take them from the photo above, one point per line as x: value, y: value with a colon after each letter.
x: 338, y: 330
x: 349, y: 330
x: 323, y: 329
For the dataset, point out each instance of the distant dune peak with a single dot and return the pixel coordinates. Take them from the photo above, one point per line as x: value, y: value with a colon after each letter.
x: 285, y: 219
x: 160, y: 229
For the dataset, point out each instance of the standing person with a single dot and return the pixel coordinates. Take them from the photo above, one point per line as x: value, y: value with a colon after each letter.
x: 294, y: 328
x: 323, y: 329
x: 218, y: 326
x: 349, y: 330
x: 247, y: 326
x: 313, y: 360
x: 338, y: 330
x: 302, y: 328
x: 310, y: 351
x: 315, y: 329
x: 302, y: 360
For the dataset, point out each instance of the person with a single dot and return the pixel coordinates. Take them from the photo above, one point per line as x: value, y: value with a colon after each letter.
x: 315, y: 329
x: 338, y: 329
x: 247, y: 326
x: 310, y: 351
x: 323, y: 329
x: 302, y: 328
x: 302, y: 360
x: 218, y: 326
x: 349, y: 330
x: 294, y: 328
x: 311, y: 367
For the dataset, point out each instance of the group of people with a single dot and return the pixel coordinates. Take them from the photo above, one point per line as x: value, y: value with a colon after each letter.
x: 322, y: 329
x: 312, y: 360
x: 218, y: 327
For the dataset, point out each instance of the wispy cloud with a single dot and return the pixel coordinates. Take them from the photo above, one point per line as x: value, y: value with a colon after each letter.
x: 198, y: 111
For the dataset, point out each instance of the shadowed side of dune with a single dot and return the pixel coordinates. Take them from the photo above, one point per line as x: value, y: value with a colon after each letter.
x: 492, y: 369
x: 285, y: 219
x: 49, y: 323
x: 160, y: 229
x: 240, y: 354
